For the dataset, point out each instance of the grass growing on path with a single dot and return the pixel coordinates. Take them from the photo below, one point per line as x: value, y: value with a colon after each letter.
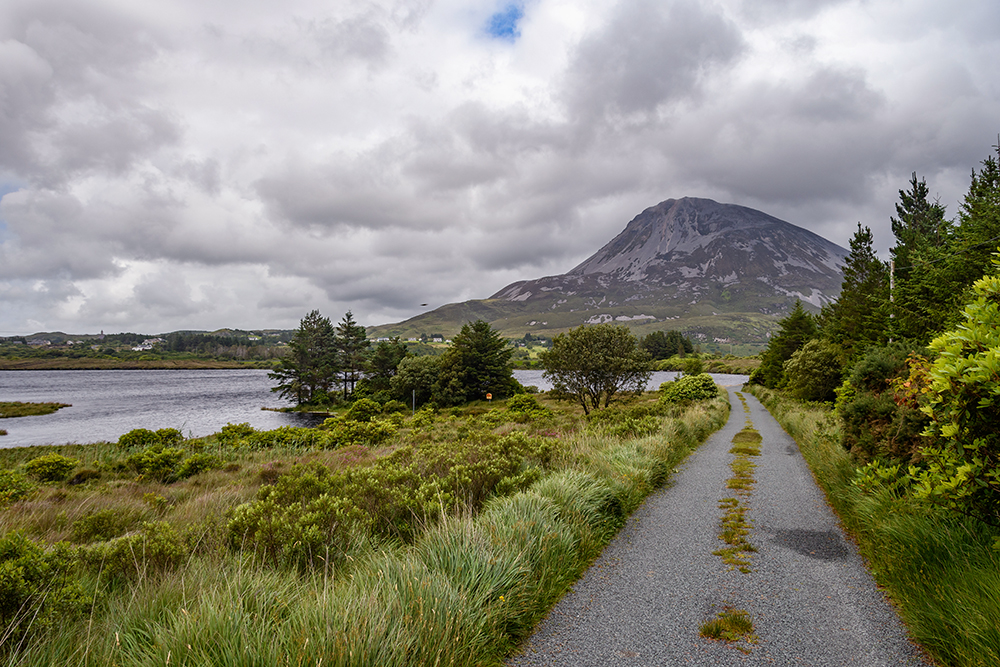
x: 477, y: 521
x: 938, y: 567
x: 733, y: 626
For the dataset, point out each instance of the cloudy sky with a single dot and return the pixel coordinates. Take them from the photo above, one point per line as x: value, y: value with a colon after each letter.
x: 173, y: 164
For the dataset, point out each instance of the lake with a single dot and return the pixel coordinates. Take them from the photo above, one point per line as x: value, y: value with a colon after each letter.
x: 107, y: 404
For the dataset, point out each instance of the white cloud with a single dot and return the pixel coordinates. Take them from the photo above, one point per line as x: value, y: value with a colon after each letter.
x: 183, y: 165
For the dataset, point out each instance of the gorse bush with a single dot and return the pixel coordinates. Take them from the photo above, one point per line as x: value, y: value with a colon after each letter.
x: 36, y: 589
x: 102, y: 525
x: 311, y: 505
x: 156, y: 462
x: 143, y: 437
x: 14, y: 485
x: 154, y: 549
x: 50, y: 467
x: 688, y: 388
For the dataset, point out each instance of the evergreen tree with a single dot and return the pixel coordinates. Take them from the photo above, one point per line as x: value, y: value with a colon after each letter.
x: 794, y: 331
x: 352, y: 351
x: 663, y: 345
x: 859, y: 318
x: 384, y: 362
x: 478, y: 363
x: 922, y: 295
x: 307, y: 373
x: 978, y: 230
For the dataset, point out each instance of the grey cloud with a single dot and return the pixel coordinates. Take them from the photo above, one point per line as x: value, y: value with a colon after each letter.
x: 760, y: 11
x: 364, y: 37
x: 650, y: 53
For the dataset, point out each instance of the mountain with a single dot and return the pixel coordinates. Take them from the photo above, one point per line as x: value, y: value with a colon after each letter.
x: 720, y: 272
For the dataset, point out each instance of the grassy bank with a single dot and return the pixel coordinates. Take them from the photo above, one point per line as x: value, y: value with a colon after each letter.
x: 442, y: 541
x: 937, y: 566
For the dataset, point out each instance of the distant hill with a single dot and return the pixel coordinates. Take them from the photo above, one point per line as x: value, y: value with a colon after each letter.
x: 719, y: 272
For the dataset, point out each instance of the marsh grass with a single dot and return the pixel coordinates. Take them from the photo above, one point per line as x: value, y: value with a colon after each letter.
x: 468, y: 586
x: 10, y: 409
x: 939, y: 568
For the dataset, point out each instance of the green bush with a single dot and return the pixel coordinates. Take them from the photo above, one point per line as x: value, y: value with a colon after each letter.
x: 393, y: 406
x: 963, y: 465
x: 138, y: 438
x: 363, y: 410
x: 102, y: 525
x: 13, y: 486
x: 232, y: 434
x: 344, y: 433
x: 688, y: 388
x: 154, y: 549
x: 157, y: 462
x: 288, y: 437
x: 197, y: 463
x: 50, y: 467
x: 814, y: 371
x: 36, y: 590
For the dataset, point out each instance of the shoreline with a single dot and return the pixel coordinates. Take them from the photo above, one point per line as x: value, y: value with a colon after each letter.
x: 119, y: 365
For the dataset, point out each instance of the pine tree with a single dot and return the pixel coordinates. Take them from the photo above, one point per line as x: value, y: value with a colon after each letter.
x: 859, y: 318
x: 352, y: 352
x: 477, y: 364
x: 794, y: 331
x: 307, y: 373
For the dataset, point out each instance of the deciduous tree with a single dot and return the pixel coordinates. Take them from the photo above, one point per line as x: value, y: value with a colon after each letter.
x: 594, y: 364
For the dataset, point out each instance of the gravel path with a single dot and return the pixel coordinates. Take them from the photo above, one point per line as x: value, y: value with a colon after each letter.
x: 809, y: 595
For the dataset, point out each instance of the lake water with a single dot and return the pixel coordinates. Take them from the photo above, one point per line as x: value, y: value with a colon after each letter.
x: 106, y: 404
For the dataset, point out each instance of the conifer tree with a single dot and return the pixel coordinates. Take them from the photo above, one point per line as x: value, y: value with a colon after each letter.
x: 307, y: 373
x: 794, y: 331
x: 859, y: 318
x: 352, y: 351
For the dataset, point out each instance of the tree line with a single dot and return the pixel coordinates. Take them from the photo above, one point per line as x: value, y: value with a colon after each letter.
x: 910, y: 351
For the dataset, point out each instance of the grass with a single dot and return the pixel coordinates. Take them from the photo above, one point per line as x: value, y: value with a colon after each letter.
x: 734, y: 527
x: 732, y: 626
x: 466, y: 583
x: 9, y: 409
x: 939, y: 568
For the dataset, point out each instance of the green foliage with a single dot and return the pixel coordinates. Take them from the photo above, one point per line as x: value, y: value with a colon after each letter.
x: 347, y: 432
x: 232, y: 434
x: 363, y: 410
x: 393, y: 407
x: 138, y: 438
x: 963, y: 465
x: 13, y: 486
x: 476, y: 364
x: 665, y: 344
x: 814, y: 371
x: 416, y: 376
x: 156, y: 462
x: 383, y: 362
x: 18, y: 409
x: 593, y: 364
x: 197, y: 463
x: 794, y: 331
x: 306, y: 374
x: 50, y: 467
x: 688, y: 388
x: 102, y: 525
x: 859, y: 318
x: 693, y: 366
x: 36, y: 591
x: 156, y: 548
x: 875, y: 421
x: 352, y: 346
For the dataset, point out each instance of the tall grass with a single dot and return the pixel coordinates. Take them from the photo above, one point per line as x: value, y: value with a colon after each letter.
x: 465, y: 591
x: 938, y: 567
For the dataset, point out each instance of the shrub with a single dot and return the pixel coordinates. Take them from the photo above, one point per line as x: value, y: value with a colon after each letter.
x: 197, y: 463
x: 157, y: 462
x: 35, y: 591
x: 102, y: 525
x: 138, y: 438
x: 688, y: 388
x: 84, y: 475
x: 814, y: 371
x: 393, y: 407
x: 13, y: 486
x: 50, y: 467
x: 343, y: 433
x: 964, y: 406
x: 154, y: 549
x: 232, y: 434
x: 289, y: 437
x: 363, y: 410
